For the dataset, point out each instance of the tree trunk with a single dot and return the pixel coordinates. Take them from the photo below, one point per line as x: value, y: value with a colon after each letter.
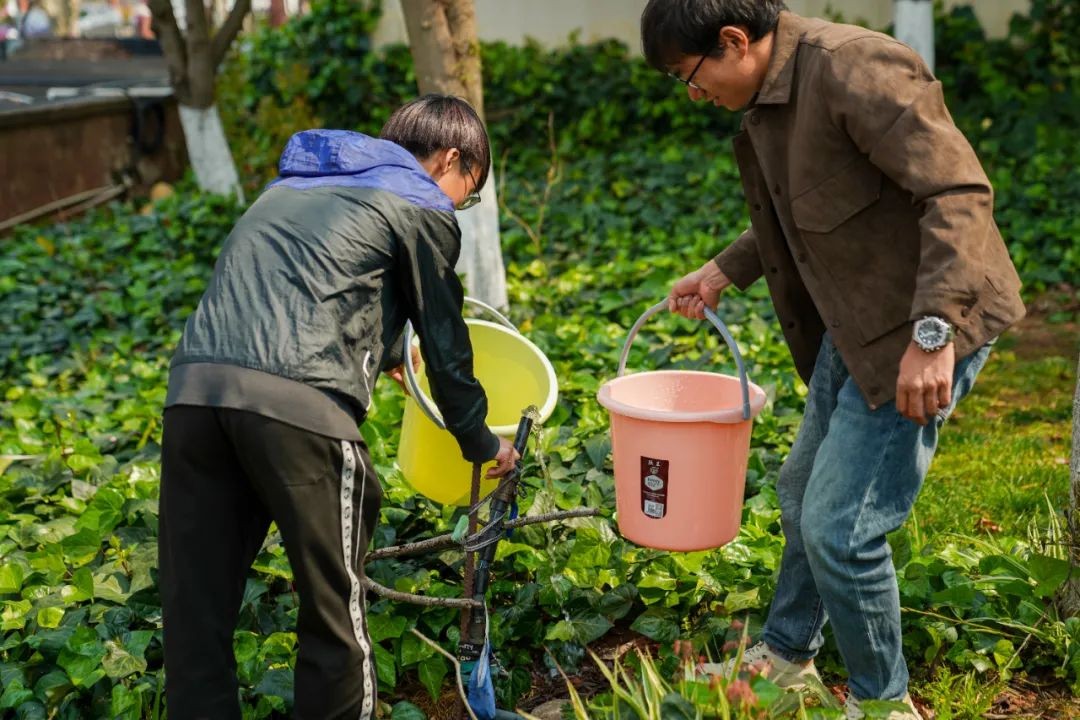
x: 446, y: 55
x: 65, y: 13
x: 913, y: 24
x: 193, y: 57
x: 278, y: 16
x: 208, y: 150
x: 1069, y: 599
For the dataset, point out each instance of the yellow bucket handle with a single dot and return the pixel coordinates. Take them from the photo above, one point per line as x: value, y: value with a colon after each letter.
x: 717, y: 323
x: 422, y: 400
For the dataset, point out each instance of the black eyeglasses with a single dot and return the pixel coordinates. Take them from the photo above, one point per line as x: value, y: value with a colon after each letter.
x: 474, y: 198
x: 689, y: 81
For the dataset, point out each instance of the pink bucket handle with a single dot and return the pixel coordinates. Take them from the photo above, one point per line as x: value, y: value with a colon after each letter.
x: 717, y: 323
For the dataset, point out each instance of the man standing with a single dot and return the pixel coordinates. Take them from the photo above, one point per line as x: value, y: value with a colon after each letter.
x: 872, y: 222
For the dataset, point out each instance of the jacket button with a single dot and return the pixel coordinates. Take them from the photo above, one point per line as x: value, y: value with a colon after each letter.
x: 791, y: 325
x: 836, y: 323
x: 776, y: 188
x: 875, y: 390
x: 757, y: 206
x: 754, y: 119
x: 802, y: 257
x: 774, y: 270
x: 964, y: 311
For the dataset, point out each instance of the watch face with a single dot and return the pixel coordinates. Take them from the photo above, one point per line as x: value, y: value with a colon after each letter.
x: 930, y: 332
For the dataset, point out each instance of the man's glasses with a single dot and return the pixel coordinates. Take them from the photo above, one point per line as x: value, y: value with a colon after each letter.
x: 474, y: 198
x: 689, y: 81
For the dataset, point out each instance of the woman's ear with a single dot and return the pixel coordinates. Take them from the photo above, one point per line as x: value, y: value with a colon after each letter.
x: 449, y: 160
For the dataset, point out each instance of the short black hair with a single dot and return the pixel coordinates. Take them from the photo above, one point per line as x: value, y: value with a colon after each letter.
x: 673, y: 29
x: 438, y: 122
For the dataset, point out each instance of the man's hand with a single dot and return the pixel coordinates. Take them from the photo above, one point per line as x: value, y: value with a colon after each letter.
x: 398, y: 373
x: 692, y: 293
x: 504, y: 459
x: 925, y: 382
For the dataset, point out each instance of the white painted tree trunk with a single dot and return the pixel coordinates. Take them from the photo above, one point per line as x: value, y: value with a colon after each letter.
x: 209, y: 152
x: 445, y: 51
x: 481, y: 260
x: 913, y: 24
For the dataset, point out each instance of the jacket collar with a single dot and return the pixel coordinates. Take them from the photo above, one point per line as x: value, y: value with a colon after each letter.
x: 776, y: 89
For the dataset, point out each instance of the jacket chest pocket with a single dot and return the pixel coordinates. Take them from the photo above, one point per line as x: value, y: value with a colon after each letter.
x: 837, y: 199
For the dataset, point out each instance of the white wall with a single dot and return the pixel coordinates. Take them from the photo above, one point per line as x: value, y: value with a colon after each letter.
x: 552, y: 21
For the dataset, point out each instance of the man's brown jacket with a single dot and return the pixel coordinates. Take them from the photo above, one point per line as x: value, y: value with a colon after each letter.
x: 869, y: 208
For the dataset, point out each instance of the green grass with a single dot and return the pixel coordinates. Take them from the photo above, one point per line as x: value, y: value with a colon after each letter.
x: 1005, y: 451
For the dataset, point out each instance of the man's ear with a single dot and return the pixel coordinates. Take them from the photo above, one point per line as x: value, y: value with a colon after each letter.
x: 734, y: 37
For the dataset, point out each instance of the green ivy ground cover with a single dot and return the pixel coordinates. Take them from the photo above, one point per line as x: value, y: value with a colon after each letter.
x: 643, y: 190
x: 95, y: 306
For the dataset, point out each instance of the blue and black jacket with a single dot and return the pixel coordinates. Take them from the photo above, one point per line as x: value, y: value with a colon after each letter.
x: 313, y: 287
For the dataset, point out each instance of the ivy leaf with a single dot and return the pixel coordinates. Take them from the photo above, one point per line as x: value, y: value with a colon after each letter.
x: 385, y: 626
x: 617, y: 602
x: 588, y: 553
x: 1050, y: 573
x: 82, y: 547
x: 598, y: 447
x: 277, y: 682
x: 385, y: 668
x: 15, y: 694
x: 13, y: 616
x: 103, y: 513
x: 674, y: 706
x: 81, y: 587
x: 125, y: 704
x: 141, y: 561
x: 405, y: 710
x: 432, y: 670
x: 562, y: 630
x: 588, y: 628
x: 81, y: 657
x: 413, y: 650
x: 50, y: 617
x: 110, y: 587
x: 657, y: 624
x: 52, y: 687
x: 11, y: 578
x: 125, y: 656
x: 742, y: 600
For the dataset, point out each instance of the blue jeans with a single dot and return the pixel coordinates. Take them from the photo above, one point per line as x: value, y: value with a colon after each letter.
x: 852, y: 476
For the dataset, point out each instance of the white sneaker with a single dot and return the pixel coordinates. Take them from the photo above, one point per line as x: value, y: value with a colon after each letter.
x: 784, y: 674
x: 852, y: 711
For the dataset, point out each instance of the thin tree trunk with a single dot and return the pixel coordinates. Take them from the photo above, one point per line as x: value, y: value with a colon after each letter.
x: 278, y: 16
x: 192, y: 57
x: 1069, y: 599
x: 446, y: 56
x: 208, y: 150
x: 66, y: 14
x: 913, y: 24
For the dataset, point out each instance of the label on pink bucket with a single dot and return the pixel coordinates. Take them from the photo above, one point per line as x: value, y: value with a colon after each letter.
x: 654, y: 487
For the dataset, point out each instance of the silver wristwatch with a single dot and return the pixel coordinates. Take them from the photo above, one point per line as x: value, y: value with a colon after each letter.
x: 932, y: 333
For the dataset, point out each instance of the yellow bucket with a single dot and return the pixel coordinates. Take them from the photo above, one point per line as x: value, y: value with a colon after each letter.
x: 514, y: 373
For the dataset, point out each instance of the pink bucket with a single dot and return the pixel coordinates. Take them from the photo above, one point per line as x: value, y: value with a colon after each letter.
x: 680, y: 442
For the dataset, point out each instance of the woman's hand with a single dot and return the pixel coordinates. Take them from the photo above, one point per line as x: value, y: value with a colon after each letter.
x: 398, y: 373
x: 504, y: 459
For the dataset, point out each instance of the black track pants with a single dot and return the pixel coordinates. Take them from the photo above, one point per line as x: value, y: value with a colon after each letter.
x: 226, y: 474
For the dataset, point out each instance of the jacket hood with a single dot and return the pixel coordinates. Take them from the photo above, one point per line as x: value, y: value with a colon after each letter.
x: 342, y: 158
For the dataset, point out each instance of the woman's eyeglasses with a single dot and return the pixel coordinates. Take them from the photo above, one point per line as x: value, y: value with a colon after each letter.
x: 474, y: 198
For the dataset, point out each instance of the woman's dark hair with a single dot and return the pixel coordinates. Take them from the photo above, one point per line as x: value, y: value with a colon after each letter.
x: 672, y: 29
x: 438, y: 122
